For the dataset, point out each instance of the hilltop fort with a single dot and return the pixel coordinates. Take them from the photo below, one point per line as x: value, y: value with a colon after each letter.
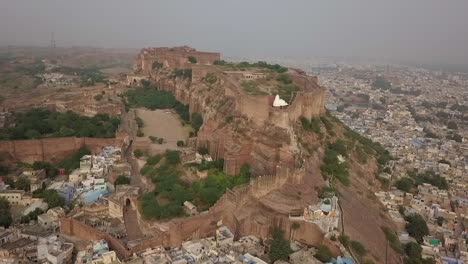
x: 239, y: 96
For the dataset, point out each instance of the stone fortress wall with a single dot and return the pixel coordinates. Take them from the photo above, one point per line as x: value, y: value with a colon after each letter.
x: 228, y: 210
x: 309, y: 102
x: 53, y: 149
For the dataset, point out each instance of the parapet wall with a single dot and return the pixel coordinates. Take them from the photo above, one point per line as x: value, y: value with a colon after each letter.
x: 173, y: 58
x: 53, y: 149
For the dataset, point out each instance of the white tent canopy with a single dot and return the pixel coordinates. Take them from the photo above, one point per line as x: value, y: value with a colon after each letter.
x: 278, y: 102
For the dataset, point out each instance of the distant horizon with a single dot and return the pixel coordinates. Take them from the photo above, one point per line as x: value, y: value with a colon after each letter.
x: 421, y: 31
x: 462, y: 68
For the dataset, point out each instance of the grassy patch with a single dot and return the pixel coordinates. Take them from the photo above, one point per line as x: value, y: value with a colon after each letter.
x: 252, y: 89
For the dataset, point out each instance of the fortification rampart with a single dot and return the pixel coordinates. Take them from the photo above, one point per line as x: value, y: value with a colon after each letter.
x: 173, y: 58
x: 229, y: 210
x: 53, y: 149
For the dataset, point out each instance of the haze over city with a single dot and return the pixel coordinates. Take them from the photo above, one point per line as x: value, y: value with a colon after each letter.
x: 421, y: 31
x: 234, y: 132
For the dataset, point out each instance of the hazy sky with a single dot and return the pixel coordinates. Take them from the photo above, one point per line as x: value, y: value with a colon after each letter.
x: 417, y: 30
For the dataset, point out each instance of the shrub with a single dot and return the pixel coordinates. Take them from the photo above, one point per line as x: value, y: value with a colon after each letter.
x: 180, y: 143
x: 344, y: 239
x: 138, y: 153
x: 139, y: 122
x: 122, y: 179
x: 156, y: 65
x: 284, y: 78
x: 140, y: 133
x: 153, y: 160
x: 392, y: 239
x: 192, y: 59
x: 210, y: 78
x: 202, y: 151
x: 358, y: 248
x: 323, y: 254
x: 184, y: 73
x: 219, y: 62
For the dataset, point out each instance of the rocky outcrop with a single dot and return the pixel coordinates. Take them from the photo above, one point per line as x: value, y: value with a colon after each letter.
x: 238, y: 128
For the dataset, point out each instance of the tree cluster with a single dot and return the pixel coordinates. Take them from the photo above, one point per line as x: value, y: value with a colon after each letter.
x: 332, y: 167
x: 169, y: 187
x: 5, y: 214
x: 40, y: 123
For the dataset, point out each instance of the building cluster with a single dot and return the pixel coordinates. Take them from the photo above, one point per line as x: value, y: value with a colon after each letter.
x: 447, y: 227
x: 28, y: 245
x: 35, y: 239
x: 411, y: 119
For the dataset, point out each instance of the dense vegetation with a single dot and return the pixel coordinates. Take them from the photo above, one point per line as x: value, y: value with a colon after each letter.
x: 279, y: 247
x: 242, y: 66
x: 122, y: 179
x: 5, y: 214
x: 252, y: 89
x: 311, y: 125
x: 416, y: 227
x: 415, y: 179
x: 167, y: 199
x: 370, y: 147
x: 149, y: 97
x: 393, y: 240
x: 73, y: 162
x: 182, y: 73
x: 32, y: 216
x: 40, y: 123
x: 413, y: 255
x: 50, y: 196
x: 323, y: 254
x: 332, y: 167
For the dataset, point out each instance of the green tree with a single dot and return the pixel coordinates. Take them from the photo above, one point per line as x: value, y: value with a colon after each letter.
x: 413, y: 250
x: 5, y: 214
x: 23, y: 183
x: 279, y: 248
x: 122, y: 179
x: 51, y: 197
x: 416, y: 227
x: 180, y: 143
x: 404, y: 184
x: 197, y: 122
x: 294, y: 227
x: 202, y: 151
x: 192, y: 59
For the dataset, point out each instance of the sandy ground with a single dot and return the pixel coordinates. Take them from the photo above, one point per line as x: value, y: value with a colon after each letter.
x: 162, y: 124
